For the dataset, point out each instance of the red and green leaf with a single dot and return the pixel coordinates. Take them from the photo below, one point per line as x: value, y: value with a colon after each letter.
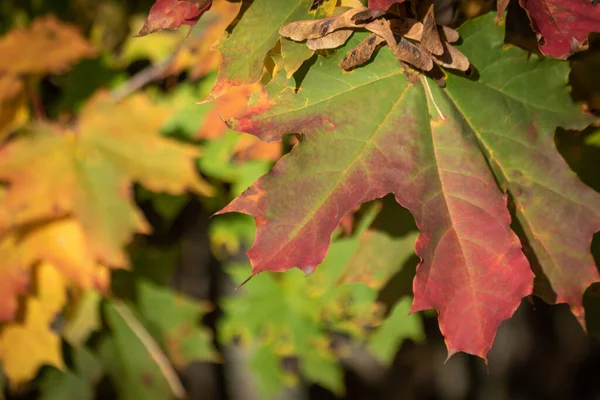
x: 563, y: 26
x: 171, y: 14
x: 379, y: 130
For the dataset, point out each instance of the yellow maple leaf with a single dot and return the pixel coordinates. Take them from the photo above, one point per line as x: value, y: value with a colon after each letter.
x: 46, y: 46
x: 82, y: 316
x: 132, y: 142
x: 26, y: 346
x: 351, y: 3
x: 86, y: 172
x: 198, y: 54
x: 14, y: 111
x: 10, y: 86
x: 157, y: 47
x: 51, y: 289
x: 61, y: 243
x: 14, y: 276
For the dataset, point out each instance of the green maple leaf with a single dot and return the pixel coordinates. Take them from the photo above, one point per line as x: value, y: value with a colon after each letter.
x: 299, y: 323
x: 133, y: 360
x: 176, y: 320
x: 243, y: 51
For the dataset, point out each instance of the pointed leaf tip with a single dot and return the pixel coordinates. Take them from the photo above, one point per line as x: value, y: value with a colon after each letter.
x: 171, y: 14
x: 308, y: 269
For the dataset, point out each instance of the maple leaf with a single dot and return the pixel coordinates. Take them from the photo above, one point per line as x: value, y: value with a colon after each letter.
x: 433, y: 149
x: 231, y: 104
x: 133, y: 360
x: 170, y: 14
x: 562, y: 26
x: 395, y: 329
x: 157, y: 48
x: 10, y: 86
x: 307, y: 309
x: 59, y: 242
x: 368, y: 266
x: 63, y: 243
x: 15, y: 277
x: 243, y: 51
x: 48, y: 45
x: 77, y: 382
x: 26, y: 346
x: 383, y: 5
x: 198, y: 53
x: 87, y: 172
x: 176, y: 318
x: 14, y: 112
x: 82, y: 316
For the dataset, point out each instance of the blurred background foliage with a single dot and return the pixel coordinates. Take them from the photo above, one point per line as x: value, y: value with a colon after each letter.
x: 174, y: 326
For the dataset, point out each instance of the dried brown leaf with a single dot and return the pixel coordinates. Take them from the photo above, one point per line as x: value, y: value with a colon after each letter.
x: 361, y: 53
x: 407, y: 27
x: 402, y: 49
x: 314, y: 29
x: 365, y: 16
x: 431, y: 38
x: 427, y: 40
x: 330, y: 41
x: 449, y: 35
x: 452, y: 58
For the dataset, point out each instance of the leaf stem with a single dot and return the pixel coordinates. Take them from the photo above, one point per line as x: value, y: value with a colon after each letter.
x: 426, y: 84
x: 145, y: 76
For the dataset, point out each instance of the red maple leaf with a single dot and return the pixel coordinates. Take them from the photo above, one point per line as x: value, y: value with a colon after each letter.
x: 563, y: 26
x: 171, y: 14
x: 382, y: 5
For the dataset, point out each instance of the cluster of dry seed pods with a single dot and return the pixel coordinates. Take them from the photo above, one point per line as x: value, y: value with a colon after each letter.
x: 422, y: 44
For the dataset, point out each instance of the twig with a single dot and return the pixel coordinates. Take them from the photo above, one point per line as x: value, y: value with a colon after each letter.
x: 145, y: 76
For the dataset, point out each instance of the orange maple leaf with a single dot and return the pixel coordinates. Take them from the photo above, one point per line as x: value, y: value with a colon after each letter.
x: 46, y: 46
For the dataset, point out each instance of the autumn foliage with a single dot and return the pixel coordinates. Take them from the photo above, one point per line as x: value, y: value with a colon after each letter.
x: 301, y: 114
